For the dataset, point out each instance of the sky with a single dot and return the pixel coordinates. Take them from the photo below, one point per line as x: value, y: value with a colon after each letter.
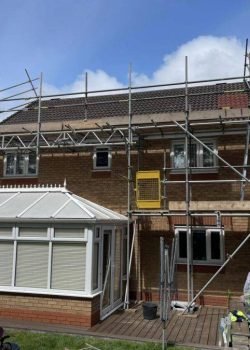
x: 65, y: 38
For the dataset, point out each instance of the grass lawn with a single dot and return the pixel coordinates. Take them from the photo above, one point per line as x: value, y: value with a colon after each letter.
x: 48, y: 341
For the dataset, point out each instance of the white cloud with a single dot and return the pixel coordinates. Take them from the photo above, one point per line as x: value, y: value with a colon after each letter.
x: 97, y: 80
x: 208, y: 58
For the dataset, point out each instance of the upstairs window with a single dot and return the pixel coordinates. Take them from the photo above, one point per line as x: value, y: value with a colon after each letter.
x: 20, y: 164
x: 200, y: 158
x: 208, y: 245
x: 102, y: 159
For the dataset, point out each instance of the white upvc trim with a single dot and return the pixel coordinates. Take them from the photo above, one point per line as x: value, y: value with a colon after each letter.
x: 102, y: 149
x: 26, y: 165
x: 80, y: 294
x: 199, y: 155
x: 209, y: 261
x: 49, y: 266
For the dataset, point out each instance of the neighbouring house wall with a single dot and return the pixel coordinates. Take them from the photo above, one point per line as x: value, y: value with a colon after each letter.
x: 50, y: 309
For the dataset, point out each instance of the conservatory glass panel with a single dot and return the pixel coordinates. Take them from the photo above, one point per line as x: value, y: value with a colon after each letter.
x: 32, y: 265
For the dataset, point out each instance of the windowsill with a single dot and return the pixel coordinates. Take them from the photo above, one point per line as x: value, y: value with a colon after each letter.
x: 19, y: 177
x: 49, y: 292
x: 100, y: 170
x: 195, y: 171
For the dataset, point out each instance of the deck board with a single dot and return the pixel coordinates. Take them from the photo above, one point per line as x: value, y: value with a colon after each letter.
x: 200, y: 328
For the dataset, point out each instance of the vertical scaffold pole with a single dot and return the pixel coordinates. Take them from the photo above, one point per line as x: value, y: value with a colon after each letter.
x: 39, y: 121
x: 130, y: 139
x: 244, y: 172
x: 86, y: 97
x: 187, y: 187
x: 164, y: 180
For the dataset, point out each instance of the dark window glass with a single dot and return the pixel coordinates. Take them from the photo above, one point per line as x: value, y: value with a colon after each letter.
x: 182, y: 244
x: 193, y: 155
x: 102, y: 158
x: 10, y: 164
x: 20, y: 164
x: 199, y: 245
x: 32, y: 163
x: 208, y: 158
x: 215, y: 245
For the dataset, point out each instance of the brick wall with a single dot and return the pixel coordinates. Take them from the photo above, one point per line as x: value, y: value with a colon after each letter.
x: 49, y: 309
x: 109, y: 188
x: 146, y: 268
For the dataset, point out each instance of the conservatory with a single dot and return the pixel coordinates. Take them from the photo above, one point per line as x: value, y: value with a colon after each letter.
x: 62, y: 257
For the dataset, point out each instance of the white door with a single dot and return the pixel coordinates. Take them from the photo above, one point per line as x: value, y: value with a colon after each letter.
x: 111, y: 298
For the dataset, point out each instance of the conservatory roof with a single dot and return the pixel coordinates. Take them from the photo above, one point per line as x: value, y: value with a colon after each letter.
x: 51, y: 204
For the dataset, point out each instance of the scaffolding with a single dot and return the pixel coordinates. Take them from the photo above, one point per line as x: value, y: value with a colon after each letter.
x: 130, y: 135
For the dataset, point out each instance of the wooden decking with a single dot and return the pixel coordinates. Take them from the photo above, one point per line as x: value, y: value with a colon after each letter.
x: 200, y: 328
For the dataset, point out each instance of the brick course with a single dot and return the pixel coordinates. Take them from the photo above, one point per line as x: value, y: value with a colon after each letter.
x: 59, y: 310
x: 109, y: 188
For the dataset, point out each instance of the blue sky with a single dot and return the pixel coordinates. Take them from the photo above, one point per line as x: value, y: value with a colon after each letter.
x: 64, y: 38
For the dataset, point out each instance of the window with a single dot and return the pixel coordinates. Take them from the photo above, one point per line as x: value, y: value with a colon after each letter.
x: 208, y: 245
x: 200, y: 157
x: 43, y: 259
x: 102, y: 159
x: 20, y: 164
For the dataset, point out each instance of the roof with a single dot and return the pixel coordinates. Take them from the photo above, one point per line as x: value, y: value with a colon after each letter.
x: 201, y: 98
x: 55, y: 204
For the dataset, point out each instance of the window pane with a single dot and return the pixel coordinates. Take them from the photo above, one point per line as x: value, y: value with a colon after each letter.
x: 5, y: 231
x: 70, y: 232
x: 215, y: 245
x: 32, y: 163
x: 182, y: 244
x: 68, y: 266
x: 208, y: 158
x: 102, y: 158
x: 6, y: 263
x: 95, y: 266
x: 32, y: 265
x: 118, y: 264
x: 199, y: 245
x: 20, y: 164
x: 179, y: 156
x: 10, y: 164
x: 32, y: 232
x: 193, y: 155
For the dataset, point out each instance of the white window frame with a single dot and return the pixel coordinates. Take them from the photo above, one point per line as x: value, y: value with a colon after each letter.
x: 97, y: 240
x: 199, y: 154
x: 50, y: 238
x: 209, y: 260
x: 26, y: 165
x: 102, y: 150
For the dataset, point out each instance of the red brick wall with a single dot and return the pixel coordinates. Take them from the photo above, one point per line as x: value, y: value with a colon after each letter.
x: 110, y: 189
x: 49, y: 309
x: 145, y: 279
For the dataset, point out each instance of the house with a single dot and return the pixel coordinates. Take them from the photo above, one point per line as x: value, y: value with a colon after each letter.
x: 88, y: 143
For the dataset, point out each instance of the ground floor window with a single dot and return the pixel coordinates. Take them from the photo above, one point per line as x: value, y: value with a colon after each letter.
x: 43, y: 258
x: 207, y: 245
